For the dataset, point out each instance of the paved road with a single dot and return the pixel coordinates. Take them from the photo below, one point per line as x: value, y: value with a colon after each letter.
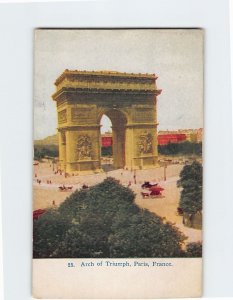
x: 166, y: 207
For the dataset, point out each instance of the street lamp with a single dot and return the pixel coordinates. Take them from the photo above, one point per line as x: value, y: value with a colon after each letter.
x: 164, y: 173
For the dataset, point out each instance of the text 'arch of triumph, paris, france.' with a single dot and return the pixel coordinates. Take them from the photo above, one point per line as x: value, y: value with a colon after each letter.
x: 130, y: 102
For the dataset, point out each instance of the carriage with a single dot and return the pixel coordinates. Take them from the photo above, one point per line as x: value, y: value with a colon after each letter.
x: 148, y: 184
x: 64, y: 188
x: 153, y: 192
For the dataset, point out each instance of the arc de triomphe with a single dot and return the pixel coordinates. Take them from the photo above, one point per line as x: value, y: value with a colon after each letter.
x: 129, y: 100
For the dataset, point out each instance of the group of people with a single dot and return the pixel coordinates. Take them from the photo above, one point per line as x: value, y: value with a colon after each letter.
x: 58, y: 172
x: 39, y: 180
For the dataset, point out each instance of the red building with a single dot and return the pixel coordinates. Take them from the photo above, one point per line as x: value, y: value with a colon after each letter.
x: 164, y: 139
x: 106, y: 140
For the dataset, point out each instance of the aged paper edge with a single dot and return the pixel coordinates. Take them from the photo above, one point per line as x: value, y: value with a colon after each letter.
x: 52, y: 278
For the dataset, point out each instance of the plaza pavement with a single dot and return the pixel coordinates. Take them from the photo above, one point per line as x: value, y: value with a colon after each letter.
x: 45, y: 193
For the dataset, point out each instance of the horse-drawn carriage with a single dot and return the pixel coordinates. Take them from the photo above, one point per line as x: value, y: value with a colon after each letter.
x: 64, y: 188
x: 154, y: 190
x: 148, y: 184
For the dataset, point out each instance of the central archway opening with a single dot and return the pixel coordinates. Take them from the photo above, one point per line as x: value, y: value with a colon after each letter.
x: 112, y: 129
x: 106, y: 143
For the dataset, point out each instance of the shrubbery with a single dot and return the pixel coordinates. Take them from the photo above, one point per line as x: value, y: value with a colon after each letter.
x: 184, y: 148
x: 106, y: 151
x: 41, y: 152
x: 191, y: 184
x: 104, y: 221
x: 194, y: 249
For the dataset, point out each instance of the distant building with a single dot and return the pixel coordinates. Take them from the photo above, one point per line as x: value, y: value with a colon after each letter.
x: 106, y: 139
x: 181, y: 135
x: 165, y: 136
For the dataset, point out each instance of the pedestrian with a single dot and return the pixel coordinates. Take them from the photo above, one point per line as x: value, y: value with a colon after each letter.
x: 135, y: 181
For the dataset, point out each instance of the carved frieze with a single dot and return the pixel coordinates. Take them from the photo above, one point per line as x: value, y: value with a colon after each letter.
x: 84, y: 147
x: 143, y: 115
x: 82, y: 115
x: 145, y: 143
x: 62, y: 116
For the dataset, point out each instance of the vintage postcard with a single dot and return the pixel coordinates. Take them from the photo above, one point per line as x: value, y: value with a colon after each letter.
x: 117, y: 171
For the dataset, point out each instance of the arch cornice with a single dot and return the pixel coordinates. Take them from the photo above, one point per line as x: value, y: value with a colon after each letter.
x: 76, y: 127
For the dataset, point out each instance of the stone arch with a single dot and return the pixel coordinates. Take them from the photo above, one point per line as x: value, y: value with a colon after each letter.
x: 113, y: 113
x: 129, y: 100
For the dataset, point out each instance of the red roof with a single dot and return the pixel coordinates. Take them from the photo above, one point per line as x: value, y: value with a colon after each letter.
x: 164, y: 139
x: 106, y: 141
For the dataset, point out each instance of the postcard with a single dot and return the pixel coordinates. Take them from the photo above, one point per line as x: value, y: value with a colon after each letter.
x: 117, y: 170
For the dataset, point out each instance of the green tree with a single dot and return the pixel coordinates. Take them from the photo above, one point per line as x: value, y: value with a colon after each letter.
x: 184, y: 148
x: 144, y: 235
x: 194, y: 249
x: 41, y: 151
x: 106, y: 151
x: 104, y: 221
x: 48, y: 233
x: 191, y: 183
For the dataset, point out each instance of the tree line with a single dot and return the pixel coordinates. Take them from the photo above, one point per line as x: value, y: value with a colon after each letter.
x: 191, y: 183
x: 184, y: 148
x: 41, y: 151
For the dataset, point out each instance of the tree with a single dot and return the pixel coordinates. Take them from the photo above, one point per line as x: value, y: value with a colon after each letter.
x: 145, y: 235
x: 104, y: 221
x: 194, y: 249
x: 41, y: 151
x: 48, y: 233
x: 184, y: 148
x: 191, y: 184
x: 106, y: 151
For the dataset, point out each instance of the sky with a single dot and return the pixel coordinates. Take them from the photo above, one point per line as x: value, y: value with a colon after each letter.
x: 175, y: 56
